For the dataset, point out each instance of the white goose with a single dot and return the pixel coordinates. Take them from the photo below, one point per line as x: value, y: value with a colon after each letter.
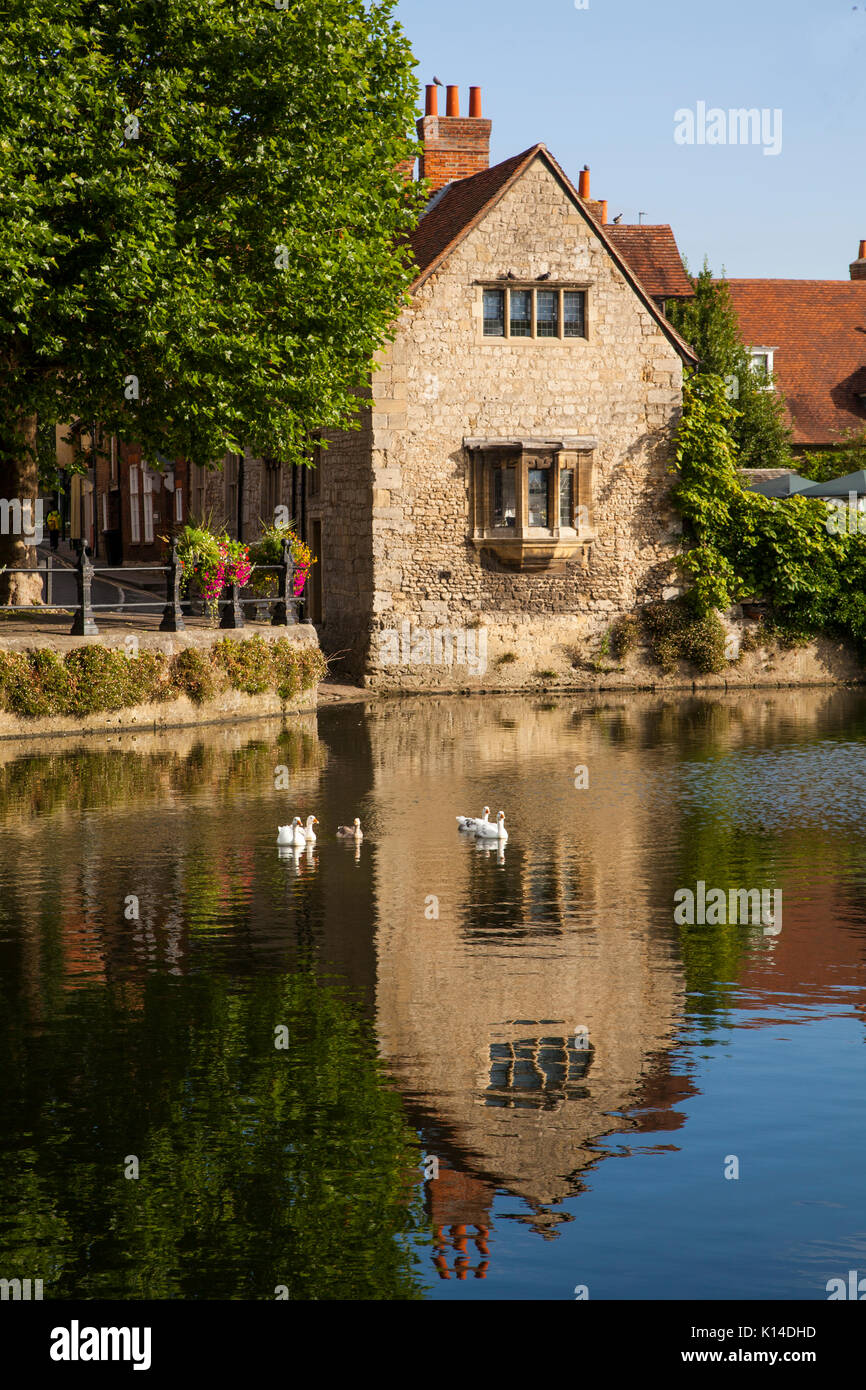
x: 309, y: 832
x: 469, y: 823
x: 293, y: 834
x: 491, y: 831
x: 351, y: 832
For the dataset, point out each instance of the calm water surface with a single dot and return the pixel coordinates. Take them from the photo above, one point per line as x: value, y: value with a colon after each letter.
x: 282, y: 1045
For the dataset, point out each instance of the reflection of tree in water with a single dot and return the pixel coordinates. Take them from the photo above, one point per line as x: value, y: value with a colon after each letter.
x: 87, y: 778
x: 259, y: 1167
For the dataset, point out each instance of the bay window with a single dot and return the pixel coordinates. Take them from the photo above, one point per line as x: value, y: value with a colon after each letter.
x: 531, y: 500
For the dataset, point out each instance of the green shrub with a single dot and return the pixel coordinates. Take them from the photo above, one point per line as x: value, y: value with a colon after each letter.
x: 247, y: 664
x: 312, y: 667
x: 94, y: 678
x: 676, y: 632
x: 296, y: 668
x: 148, y: 678
x: 34, y: 684
x: 624, y: 636
x: 192, y: 674
x: 99, y: 679
x: 792, y: 552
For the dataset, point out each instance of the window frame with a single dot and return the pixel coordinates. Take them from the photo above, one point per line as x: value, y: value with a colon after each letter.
x: 134, y: 513
x: 533, y: 288
x: 768, y: 355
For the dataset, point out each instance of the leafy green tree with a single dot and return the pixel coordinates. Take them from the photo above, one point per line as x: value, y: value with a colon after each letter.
x: 203, y: 232
x: 709, y: 323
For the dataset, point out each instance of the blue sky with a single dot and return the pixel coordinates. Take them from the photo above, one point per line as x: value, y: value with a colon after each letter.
x: 601, y: 86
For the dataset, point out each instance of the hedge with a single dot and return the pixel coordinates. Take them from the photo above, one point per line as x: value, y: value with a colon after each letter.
x: 93, y: 679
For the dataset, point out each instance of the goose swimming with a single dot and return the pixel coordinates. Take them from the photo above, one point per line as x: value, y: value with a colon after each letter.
x: 469, y: 823
x: 491, y: 831
x: 351, y: 832
x: 309, y: 832
x: 293, y: 834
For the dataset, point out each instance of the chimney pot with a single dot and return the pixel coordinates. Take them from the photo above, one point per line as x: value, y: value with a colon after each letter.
x: 583, y: 183
x: 453, y: 147
x: 862, y: 256
x: 432, y: 105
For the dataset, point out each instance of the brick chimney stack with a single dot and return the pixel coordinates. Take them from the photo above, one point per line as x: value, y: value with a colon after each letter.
x: 455, y: 146
x: 596, y: 209
x: 858, y: 267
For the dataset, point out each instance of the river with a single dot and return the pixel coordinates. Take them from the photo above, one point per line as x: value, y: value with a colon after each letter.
x: 423, y: 1068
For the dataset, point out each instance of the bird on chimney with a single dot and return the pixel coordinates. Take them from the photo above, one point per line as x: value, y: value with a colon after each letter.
x: 438, y: 82
x: 618, y: 217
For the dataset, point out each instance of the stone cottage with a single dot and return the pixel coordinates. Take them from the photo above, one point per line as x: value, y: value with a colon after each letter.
x: 507, y: 492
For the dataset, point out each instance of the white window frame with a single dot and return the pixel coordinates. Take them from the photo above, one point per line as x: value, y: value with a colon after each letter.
x: 147, y: 480
x: 754, y: 354
x: 134, y: 515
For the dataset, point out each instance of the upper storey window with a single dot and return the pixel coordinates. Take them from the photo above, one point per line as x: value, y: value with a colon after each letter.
x: 523, y: 311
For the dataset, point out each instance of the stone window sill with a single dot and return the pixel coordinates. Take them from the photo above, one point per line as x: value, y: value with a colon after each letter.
x: 535, y: 551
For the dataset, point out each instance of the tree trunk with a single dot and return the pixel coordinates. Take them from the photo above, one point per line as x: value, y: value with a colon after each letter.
x: 19, y: 486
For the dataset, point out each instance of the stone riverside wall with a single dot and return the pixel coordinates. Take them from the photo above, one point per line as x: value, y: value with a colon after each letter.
x: 440, y: 382
x: 228, y: 706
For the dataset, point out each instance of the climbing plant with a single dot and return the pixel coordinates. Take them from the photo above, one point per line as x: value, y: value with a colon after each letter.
x: 791, y: 551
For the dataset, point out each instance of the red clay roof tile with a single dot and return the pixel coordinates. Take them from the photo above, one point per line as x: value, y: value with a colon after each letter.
x: 817, y: 329
x: 653, y: 253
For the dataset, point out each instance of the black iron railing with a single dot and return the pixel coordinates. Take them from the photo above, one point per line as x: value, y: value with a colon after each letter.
x: 285, y: 607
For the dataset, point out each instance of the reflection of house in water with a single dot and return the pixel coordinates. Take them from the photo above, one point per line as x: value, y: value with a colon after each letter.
x: 478, y: 1009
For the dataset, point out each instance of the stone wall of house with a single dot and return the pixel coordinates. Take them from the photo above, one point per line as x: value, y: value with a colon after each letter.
x: 441, y: 382
x: 345, y: 507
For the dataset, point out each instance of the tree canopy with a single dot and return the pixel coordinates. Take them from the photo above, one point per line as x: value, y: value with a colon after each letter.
x: 203, y: 240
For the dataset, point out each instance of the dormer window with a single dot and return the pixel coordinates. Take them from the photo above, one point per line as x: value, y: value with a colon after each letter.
x: 761, y: 363
x: 527, y: 311
x: 531, y: 500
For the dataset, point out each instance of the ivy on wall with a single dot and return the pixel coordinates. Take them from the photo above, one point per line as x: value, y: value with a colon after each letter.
x: 740, y: 545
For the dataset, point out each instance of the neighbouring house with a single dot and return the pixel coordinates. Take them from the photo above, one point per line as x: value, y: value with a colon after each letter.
x: 811, y: 334
x: 511, y: 472
x: 121, y: 506
x: 125, y: 505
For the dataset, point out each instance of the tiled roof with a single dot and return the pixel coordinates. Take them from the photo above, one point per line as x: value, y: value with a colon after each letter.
x: 460, y: 206
x: 817, y: 329
x: 653, y: 253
